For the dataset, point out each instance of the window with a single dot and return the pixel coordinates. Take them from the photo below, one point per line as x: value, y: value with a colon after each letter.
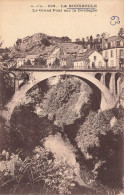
x: 121, y: 52
x: 94, y: 57
x: 109, y: 45
x: 106, y: 45
x: 112, y: 54
x: 100, y: 64
x: 121, y: 43
x: 118, y: 43
x: 112, y: 63
x: 106, y: 54
x: 114, y: 44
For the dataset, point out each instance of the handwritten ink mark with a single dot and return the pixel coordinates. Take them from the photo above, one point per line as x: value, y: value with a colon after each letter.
x: 115, y: 20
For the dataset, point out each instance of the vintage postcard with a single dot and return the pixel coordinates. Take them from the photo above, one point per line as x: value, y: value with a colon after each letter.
x: 61, y: 97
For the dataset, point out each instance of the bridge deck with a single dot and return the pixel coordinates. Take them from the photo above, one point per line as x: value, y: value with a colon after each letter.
x: 58, y: 70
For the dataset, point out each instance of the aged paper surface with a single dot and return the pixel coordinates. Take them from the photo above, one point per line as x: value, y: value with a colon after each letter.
x: 61, y: 97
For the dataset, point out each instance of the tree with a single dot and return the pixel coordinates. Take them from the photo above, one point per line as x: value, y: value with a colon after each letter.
x: 18, y: 42
x: 66, y: 39
x: 87, y: 38
x: 45, y: 42
x: 7, y: 86
x: 59, y: 102
x: 40, y: 61
x: 98, y: 36
x: 91, y: 42
x: 83, y: 43
x: 28, y: 62
x: 56, y: 63
x: 28, y: 128
x: 121, y: 32
x: 77, y: 41
x: 104, y: 148
x: 1, y: 42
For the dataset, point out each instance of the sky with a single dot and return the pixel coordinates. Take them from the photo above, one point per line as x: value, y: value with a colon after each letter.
x: 18, y: 21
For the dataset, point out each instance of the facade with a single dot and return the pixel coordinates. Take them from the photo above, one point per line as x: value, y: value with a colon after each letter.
x: 90, y: 59
x: 31, y: 58
x: 52, y: 57
x: 20, y: 62
x: 11, y: 63
x: 81, y: 52
x: 68, y: 61
x: 113, y: 52
x: 56, y: 54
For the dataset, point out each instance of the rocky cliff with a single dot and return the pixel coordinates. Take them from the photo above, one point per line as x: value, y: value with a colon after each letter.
x: 42, y: 44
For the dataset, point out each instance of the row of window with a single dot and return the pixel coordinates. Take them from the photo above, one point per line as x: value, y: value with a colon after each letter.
x: 114, y: 44
x: 121, y: 53
x: 80, y: 65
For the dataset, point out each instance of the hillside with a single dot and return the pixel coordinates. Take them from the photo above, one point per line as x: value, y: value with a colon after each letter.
x: 42, y: 44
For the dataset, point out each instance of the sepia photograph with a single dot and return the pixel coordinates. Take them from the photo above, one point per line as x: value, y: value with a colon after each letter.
x: 61, y: 97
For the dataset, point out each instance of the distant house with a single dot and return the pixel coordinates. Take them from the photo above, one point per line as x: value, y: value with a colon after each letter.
x: 31, y: 58
x: 90, y: 59
x: 11, y: 63
x: 67, y: 61
x: 113, y: 52
x: 20, y: 62
x: 81, y: 52
x: 55, y: 55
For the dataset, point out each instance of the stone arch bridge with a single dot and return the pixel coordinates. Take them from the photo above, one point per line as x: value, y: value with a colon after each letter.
x: 108, y: 82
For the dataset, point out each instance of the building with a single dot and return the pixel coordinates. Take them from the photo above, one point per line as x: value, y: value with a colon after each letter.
x: 11, y: 63
x: 89, y: 59
x: 81, y: 52
x: 113, y: 52
x: 31, y: 58
x: 20, y: 62
x: 55, y: 55
x: 67, y: 61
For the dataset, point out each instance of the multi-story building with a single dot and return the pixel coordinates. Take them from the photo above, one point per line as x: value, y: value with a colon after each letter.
x: 113, y: 52
x: 55, y: 55
x: 89, y: 59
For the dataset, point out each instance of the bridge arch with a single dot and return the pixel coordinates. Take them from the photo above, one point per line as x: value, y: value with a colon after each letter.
x: 98, y: 76
x: 117, y: 83
x: 107, y: 80
x: 107, y: 100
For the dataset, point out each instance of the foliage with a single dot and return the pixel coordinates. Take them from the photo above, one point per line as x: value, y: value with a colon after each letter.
x: 56, y: 63
x: 7, y: 86
x: 45, y: 42
x: 18, y: 42
x: 104, y: 147
x: 59, y: 102
x: 65, y: 39
x: 1, y: 42
x: 28, y: 129
x: 121, y: 32
x: 39, y: 61
x: 37, y: 172
x: 28, y: 62
x: 3, y: 134
x: 55, y: 166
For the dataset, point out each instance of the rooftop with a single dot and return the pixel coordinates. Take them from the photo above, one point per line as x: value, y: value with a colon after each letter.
x: 85, y: 55
x: 31, y: 56
x: 115, y: 38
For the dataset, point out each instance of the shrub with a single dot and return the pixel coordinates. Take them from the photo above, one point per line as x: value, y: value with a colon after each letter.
x: 45, y: 42
x: 4, y: 130
x: 103, y: 144
x: 27, y: 129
